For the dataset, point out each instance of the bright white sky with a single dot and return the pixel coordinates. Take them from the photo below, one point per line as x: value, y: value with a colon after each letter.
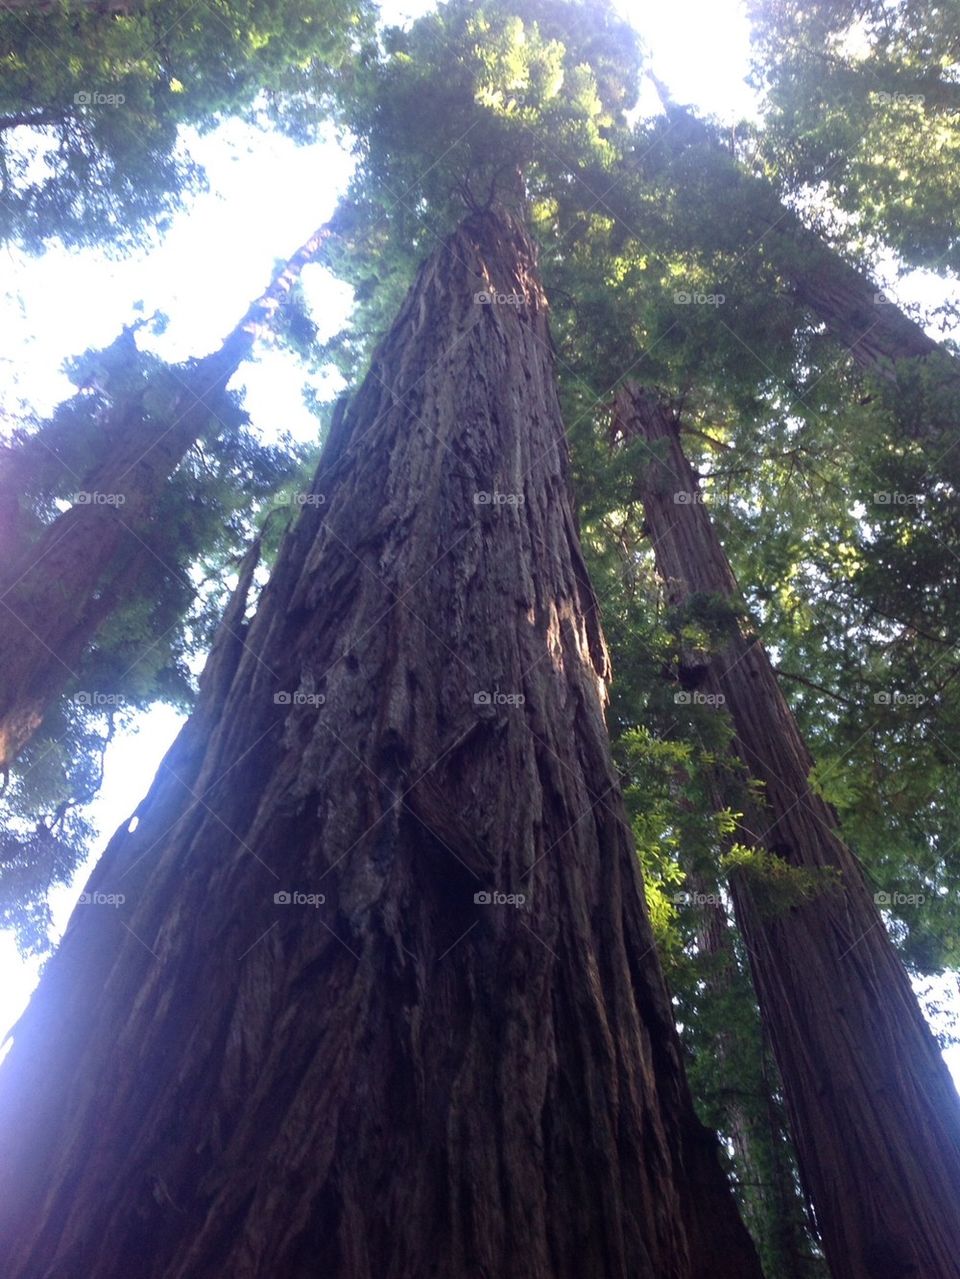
x: 266, y: 196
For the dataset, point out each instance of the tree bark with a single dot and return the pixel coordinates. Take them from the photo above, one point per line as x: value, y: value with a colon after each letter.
x: 874, y: 1113
x: 773, y: 1208
x: 859, y: 316
x: 411, y: 1078
x: 56, y: 594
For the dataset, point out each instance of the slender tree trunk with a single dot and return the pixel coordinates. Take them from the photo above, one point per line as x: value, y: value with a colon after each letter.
x: 413, y: 1073
x: 773, y: 1206
x: 874, y: 1113
x: 860, y: 317
x: 876, y: 332
x: 57, y: 593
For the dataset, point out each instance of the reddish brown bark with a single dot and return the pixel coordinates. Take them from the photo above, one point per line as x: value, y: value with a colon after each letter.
x: 874, y: 1113
x: 773, y: 1207
x: 55, y: 594
x: 859, y: 315
x: 402, y: 1081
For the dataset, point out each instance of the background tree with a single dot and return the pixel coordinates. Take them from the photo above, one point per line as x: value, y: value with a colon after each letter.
x: 123, y: 508
x: 849, y: 1038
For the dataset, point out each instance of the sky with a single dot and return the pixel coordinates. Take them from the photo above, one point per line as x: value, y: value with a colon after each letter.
x: 266, y: 196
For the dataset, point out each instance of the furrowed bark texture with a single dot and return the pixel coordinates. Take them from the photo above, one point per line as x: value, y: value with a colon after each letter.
x: 403, y: 1080
x: 874, y: 1113
x: 57, y: 593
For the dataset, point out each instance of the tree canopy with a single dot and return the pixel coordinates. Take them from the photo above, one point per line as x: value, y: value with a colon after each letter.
x: 94, y: 98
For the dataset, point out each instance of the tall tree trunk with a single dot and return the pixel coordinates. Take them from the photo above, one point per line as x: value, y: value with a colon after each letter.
x: 410, y: 1075
x: 874, y: 1113
x: 56, y: 594
x: 862, y: 319
x: 774, y: 1209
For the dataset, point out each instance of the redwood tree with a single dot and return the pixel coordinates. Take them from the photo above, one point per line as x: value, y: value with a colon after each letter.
x: 57, y: 591
x: 874, y: 1113
x: 382, y: 997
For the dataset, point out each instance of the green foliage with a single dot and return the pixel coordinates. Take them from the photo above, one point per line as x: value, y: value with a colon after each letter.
x: 92, y: 99
x: 774, y: 884
x: 863, y: 104
x: 472, y: 104
x: 44, y: 835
